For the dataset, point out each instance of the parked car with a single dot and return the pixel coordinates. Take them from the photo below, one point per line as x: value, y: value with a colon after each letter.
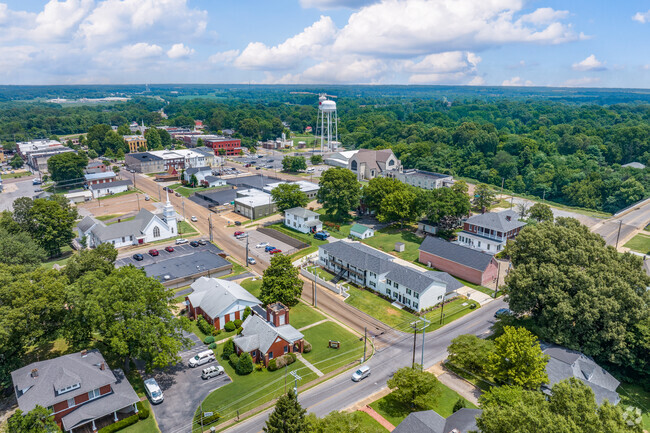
x: 261, y: 245
x: 178, y: 194
x: 202, y: 242
x: 138, y: 257
x: 36, y: 182
x: 146, y: 197
x: 213, y: 371
x: 258, y: 168
x: 194, y: 243
x: 239, y: 233
x: 260, y: 156
x: 237, y: 223
x: 320, y: 236
x: 502, y: 312
x: 247, y: 165
x: 361, y: 373
x: 275, y: 251
x: 153, y: 391
x: 251, y: 261
x: 181, y: 241
x: 310, y: 170
x: 202, y: 358
x: 169, y: 249
x: 268, y: 248
x: 194, y: 219
x: 153, y: 252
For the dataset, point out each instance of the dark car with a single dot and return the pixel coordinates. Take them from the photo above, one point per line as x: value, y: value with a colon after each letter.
x: 269, y: 248
x: 154, y: 252
x: 237, y: 223
x: 194, y: 243
x: 203, y: 242
x: 258, y: 168
x: 502, y: 312
x: 138, y: 257
x: 320, y: 236
x: 169, y: 249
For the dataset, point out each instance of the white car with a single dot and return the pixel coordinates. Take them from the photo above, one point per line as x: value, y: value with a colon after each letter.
x: 194, y: 219
x: 251, y: 261
x: 215, y: 370
x: 261, y: 245
x: 153, y: 391
x: 361, y: 373
x: 181, y: 241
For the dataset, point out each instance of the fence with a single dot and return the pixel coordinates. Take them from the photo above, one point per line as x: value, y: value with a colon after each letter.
x: 333, y: 287
x: 299, y: 245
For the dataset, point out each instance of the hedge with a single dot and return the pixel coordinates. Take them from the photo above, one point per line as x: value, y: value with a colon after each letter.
x: 120, y: 424
x: 212, y: 346
x: 244, y: 364
x: 228, y: 349
x: 306, y: 348
x: 143, y: 413
x: 212, y: 418
x: 204, y: 326
x: 209, y: 339
x: 237, y: 323
x: 229, y: 327
x: 234, y: 359
x: 281, y: 361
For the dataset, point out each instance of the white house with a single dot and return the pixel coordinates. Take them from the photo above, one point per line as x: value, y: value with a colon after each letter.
x: 362, y: 232
x: 376, y: 270
x: 199, y: 172
x: 303, y: 220
x: 212, y: 181
x: 309, y: 188
x: 490, y: 231
x: 110, y: 188
x: 145, y: 227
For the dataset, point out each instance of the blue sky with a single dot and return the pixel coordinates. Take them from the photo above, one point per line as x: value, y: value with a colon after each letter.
x: 593, y: 43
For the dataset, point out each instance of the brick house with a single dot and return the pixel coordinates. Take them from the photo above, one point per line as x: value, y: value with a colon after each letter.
x: 490, y: 231
x: 460, y: 261
x: 269, y: 338
x: 78, y: 389
x: 219, y: 301
x: 99, y: 178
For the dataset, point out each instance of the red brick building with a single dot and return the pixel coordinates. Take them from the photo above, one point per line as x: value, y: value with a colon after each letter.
x: 232, y: 146
x: 460, y: 261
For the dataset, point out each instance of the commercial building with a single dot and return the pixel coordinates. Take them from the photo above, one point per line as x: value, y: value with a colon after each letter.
x: 78, y: 389
x: 423, y: 179
x: 79, y: 196
x: 98, y: 178
x: 157, y: 161
x: 37, y: 152
x: 368, y: 164
x: 224, y: 146
x: 490, y: 231
x: 211, y: 159
x: 96, y: 166
x: 136, y: 143
x: 302, y: 220
x: 309, y: 188
x: 110, y: 188
x: 144, y: 162
x: 371, y: 268
x: 254, y: 204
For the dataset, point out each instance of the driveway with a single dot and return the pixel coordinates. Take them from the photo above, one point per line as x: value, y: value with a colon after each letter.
x: 16, y: 188
x: 255, y: 237
x: 184, y: 390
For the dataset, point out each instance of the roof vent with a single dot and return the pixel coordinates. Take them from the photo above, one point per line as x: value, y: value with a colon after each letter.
x: 508, y: 218
x: 102, y: 366
x: 34, y: 372
x: 84, y: 353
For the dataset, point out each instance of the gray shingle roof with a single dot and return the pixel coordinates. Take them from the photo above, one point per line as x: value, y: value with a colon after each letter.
x: 111, y: 184
x: 452, y: 283
x: 497, y: 220
x: 414, y: 280
x: 64, y: 370
x: 86, y: 223
x: 216, y: 296
x: 456, y: 253
x: 258, y: 334
x: 463, y: 420
x: 194, y: 170
x: 301, y: 212
x: 100, y: 175
x: 428, y: 421
x: 125, y: 228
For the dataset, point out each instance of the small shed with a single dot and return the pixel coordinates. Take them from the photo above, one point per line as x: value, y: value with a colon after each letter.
x: 399, y: 247
x: 362, y: 232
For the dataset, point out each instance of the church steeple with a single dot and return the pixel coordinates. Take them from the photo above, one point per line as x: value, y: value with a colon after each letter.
x: 169, y: 215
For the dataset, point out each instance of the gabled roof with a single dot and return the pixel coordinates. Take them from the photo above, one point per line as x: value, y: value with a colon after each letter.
x: 194, y: 170
x: 215, y: 296
x: 100, y: 176
x: 428, y: 421
x: 301, y: 212
x: 86, y: 223
x: 258, y: 334
x: 125, y: 228
x: 359, y: 228
x: 456, y: 253
x: 452, y: 283
x: 114, y: 184
x: 503, y: 221
x: 414, y: 280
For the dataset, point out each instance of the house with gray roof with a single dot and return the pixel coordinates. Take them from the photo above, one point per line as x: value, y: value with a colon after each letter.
x: 266, y: 338
x: 423, y: 179
x: 303, y: 220
x: 458, y: 260
x: 566, y: 363
x: 414, y: 288
x: 489, y: 232
x: 219, y: 301
x: 199, y: 172
x: 109, y: 188
x: 369, y: 163
x: 428, y: 421
x: 78, y: 389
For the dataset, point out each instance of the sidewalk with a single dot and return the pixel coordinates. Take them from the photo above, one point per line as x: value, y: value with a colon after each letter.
x: 309, y: 365
x: 465, y: 389
x: 380, y: 419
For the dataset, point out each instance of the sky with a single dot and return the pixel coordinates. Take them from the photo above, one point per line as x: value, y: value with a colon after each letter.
x: 576, y: 43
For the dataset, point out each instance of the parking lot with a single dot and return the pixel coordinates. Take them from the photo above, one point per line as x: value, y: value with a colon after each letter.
x: 255, y: 237
x: 184, y: 390
x: 179, y: 252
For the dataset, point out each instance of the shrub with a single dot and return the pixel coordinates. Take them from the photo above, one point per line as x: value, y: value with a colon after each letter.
x: 460, y: 403
x: 204, y: 326
x: 212, y: 418
x: 120, y: 424
x: 259, y: 366
x: 143, y: 412
x: 212, y: 346
x: 228, y: 349
x: 239, y: 330
x: 292, y: 356
x: 245, y: 364
x: 229, y: 327
x: 216, y: 332
x: 472, y: 306
x: 233, y: 359
x: 247, y: 312
x: 307, y: 347
x: 208, y: 340
x: 237, y: 323
x: 272, y: 365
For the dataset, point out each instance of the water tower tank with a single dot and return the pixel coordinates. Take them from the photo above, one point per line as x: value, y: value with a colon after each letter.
x: 328, y: 106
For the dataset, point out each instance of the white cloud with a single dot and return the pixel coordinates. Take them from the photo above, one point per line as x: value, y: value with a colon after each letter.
x: 517, y: 81
x: 642, y: 17
x: 581, y: 82
x: 591, y: 63
x: 544, y: 16
x: 141, y: 50
x: 179, y: 51
x: 332, y: 4
x: 224, y: 57
x: 450, y: 67
x: 310, y: 42
x: 345, y: 70
x: 477, y: 81
x: 57, y: 18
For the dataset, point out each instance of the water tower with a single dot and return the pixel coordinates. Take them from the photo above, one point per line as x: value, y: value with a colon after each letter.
x: 327, y: 124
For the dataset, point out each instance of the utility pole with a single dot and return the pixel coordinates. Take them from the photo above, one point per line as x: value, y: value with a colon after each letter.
x: 620, y: 223
x: 246, y: 251
x: 183, y: 203
x: 365, y: 340
x: 138, y: 197
x: 134, y: 185
x: 296, y: 379
x: 496, y: 289
x: 442, y: 309
x: 424, y: 327
x: 210, y: 224
x: 415, y: 333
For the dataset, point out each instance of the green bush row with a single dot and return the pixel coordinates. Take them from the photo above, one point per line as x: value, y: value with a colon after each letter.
x: 281, y: 361
x: 204, y: 326
x: 208, y: 340
x: 143, y: 413
x: 212, y: 418
x: 120, y: 424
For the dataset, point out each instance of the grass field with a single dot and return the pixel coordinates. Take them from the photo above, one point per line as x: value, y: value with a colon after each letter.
x: 368, y: 423
x: 321, y: 273
x: 121, y: 220
x: 119, y: 194
x: 639, y: 243
x: 186, y: 229
x: 385, y: 239
x: 452, y: 311
x: 254, y: 287
x: 14, y: 175
x: 237, y: 269
x: 395, y: 412
x: 187, y: 191
x: 302, y: 315
x: 66, y: 254
x: 144, y: 426
x: 634, y: 395
x: 325, y: 358
x: 379, y: 308
x: 108, y: 217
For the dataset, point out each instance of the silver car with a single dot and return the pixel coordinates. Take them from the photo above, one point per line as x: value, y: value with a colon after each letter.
x: 153, y: 391
x: 361, y: 373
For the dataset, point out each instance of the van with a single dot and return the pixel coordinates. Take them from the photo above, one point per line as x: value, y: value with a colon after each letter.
x: 153, y: 391
x: 215, y: 370
x: 361, y: 373
x: 202, y: 358
x: 310, y: 170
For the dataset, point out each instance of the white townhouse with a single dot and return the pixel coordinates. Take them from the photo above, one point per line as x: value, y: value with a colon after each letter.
x: 371, y: 268
x: 302, y: 219
x: 490, y: 231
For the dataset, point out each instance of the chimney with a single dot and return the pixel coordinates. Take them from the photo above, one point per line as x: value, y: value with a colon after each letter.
x: 102, y: 366
x: 84, y: 353
x: 508, y: 218
x: 34, y: 372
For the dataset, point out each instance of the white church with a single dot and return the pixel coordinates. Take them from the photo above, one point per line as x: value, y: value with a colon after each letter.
x: 145, y: 227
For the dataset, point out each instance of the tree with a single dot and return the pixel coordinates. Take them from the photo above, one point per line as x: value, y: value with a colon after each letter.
x: 289, y: 195
x: 294, y: 163
x: 92, y: 154
x: 165, y: 138
x: 378, y: 189
x: 193, y: 181
x: 16, y: 161
x: 316, y: 159
x: 67, y: 166
x: 415, y: 388
x: 541, y: 213
x: 460, y: 403
x: 518, y: 359
x: 580, y: 293
x: 483, y: 196
x: 339, y: 192
x: 287, y: 417
x: 153, y: 139
x: 400, y: 206
x: 101, y: 259
x: 19, y: 249
x: 341, y: 422
x: 37, y: 420
x: 470, y: 353
x: 124, y: 129
x: 245, y: 364
x: 280, y: 282
x: 446, y: 206
x: 228, y: 349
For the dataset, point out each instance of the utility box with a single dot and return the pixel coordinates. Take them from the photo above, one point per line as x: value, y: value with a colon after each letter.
x: 399, y: 247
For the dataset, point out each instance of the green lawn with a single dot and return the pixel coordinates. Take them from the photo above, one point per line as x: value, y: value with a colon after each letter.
x: 327, y: 359
x: 453, y: 310
x: 304, y: 252
x: 119, y: 194
x: 321, y: 273
x: 13, y: 175
x: 148, y: 425
x: 344, y: 228
x: 121, y: 220
x: 379, y: 308
x: 302, y: 237
x: 108, y: 217
x: 385, y: 239
x: 368, y: 423
x: 303, y: 315
x: 237, y: 269
x: 634, y: 395
x: 186, y: 229
x: 395, y: 412
x: 187, y: 191
x: 639, y: 243
x: 66, y: 254
x: 254, y: 287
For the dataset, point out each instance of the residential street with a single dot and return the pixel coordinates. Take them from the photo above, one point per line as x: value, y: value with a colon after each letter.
x: 630, y: 222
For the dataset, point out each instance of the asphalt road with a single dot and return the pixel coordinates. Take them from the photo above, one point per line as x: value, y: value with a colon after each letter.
x: 629, y: 222
x: 15, y: 188
x: 340, y: 392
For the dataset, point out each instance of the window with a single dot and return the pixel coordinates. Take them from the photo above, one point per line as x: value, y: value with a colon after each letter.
x: 353, y: 166
x: 93, y: 394
x: 372, y: 284
x: 123, y: 239
x: 408, y: 291
x: 71, y: 402
x: 69, y: 388
x: 439, y: 297
x: 156, y: 232
x: 388, y: 292
x: 388, y: 282
x: 286, y: 349
x: 270, y: 355
x: 395, y: 284
x: 488, y: 247
x: 416, y: 295
x: 415, y: 306
x: 479, y: 244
